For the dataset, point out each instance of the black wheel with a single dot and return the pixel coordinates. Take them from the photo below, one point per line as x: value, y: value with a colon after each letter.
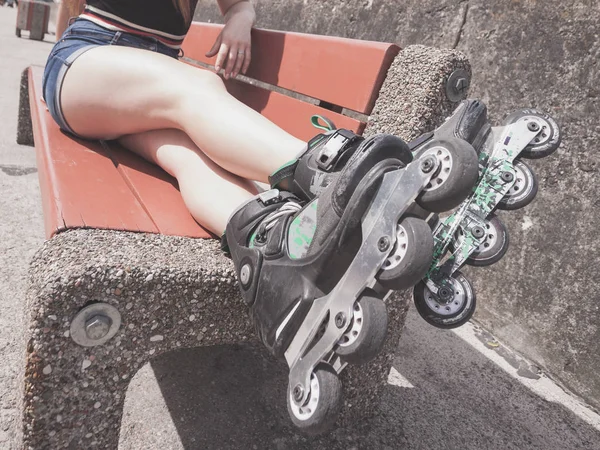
x: 365, y: 336
x: 547, y: 140
x: 411, y: 257
x: 451, y: 307
x: 454, y: 179
x: 523, y: 191
x: 492, y: 249
x: 323, y: 405
x: 18, y: 32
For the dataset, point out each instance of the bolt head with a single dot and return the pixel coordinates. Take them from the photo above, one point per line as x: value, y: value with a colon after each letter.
x: 446, y: 293
x: 533, y: 126
x: 97, y: 327
x: 340, y: 320
x: 383, y: 244
x: 457, y: 85
x: 478, y: 232
x: 507, y: 176
x: 427, y: 165
x: 461, y: 84
x: 245, y: 274
x: 298, y: 392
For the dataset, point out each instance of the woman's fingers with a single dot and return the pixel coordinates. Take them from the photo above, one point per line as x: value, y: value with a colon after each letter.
x: 247, y: 59
x: 233, y: 53
x: 231, y: 61
x: 241, y: 58
x: 215, y: 48
x: 221, y: 57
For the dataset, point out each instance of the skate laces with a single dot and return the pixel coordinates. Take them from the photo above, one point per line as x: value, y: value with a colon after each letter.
x: 287, y: 209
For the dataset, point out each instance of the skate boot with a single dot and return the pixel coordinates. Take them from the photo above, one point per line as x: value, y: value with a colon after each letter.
x: 316, y: 269
x: 474, y: 235
x: 322, y: 161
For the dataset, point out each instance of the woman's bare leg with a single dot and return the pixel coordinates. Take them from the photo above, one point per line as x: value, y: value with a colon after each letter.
x: 111, y: 91
x: 199, y: 178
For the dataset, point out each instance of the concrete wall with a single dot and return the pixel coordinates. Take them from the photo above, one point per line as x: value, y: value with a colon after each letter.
x: 543, y: 298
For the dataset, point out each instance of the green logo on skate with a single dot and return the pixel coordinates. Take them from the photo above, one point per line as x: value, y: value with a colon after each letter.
x: 302, y: 230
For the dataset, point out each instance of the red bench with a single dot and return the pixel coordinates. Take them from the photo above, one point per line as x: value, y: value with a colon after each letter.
x: 119, y: 273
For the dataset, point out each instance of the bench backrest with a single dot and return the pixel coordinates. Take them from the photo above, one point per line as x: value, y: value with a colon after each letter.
x: 337, y: 75
x: 85, y: 184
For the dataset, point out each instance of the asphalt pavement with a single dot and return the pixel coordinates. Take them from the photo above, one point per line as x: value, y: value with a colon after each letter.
x: 448, y: 390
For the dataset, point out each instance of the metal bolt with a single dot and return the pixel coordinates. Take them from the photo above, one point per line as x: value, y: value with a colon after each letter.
x: 97, y: 327
x: 383, y: 244
x: 533, y: 126
x: 457, y: 85
x: 461, y: 85
x: 245, y: 274
x: 298, y: 392
x: 340, y: 320
x: 445, y: 294
x: 478, y: 232
x: 427, y: 165
x: 507, y: 177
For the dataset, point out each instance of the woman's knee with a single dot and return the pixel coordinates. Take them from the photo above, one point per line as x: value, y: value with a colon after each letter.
x: 198, y: 87
x: 211, y: 79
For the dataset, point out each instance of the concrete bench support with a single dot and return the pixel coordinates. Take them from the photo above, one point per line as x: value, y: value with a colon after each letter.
x: 171, y: 293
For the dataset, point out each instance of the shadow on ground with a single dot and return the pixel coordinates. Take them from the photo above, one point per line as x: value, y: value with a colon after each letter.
x: 233, y: 398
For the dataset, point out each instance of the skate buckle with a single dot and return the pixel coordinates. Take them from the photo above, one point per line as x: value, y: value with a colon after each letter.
x: 269, y: 197
x: 331, y: 151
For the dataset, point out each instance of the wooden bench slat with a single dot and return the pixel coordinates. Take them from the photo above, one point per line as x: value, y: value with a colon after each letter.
x: 289, y: 113
x: 80, y: 185
x: 344, y: 72
x: 158, y: 193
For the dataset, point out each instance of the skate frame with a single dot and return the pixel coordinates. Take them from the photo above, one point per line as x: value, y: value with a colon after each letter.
x: 473, y: 213
x: 397, y: 192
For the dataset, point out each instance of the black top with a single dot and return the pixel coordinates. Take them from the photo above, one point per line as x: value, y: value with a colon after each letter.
x: 144, y: 15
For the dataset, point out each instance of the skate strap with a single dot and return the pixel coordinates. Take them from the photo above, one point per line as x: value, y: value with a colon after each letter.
x: 316, y: 122
x: 286, y: 172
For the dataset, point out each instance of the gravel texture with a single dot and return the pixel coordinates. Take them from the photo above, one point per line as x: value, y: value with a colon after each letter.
x: 24, y: 129
x: 413, y: 97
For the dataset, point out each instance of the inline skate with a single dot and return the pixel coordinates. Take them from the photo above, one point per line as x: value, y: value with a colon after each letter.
x: 317, y: 256
x: 474, y: 235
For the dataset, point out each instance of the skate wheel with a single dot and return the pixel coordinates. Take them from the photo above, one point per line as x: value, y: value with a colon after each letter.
x: 455, y: 310
x: 492, y: 249
x: 547, y: 140
x: 324, y: 403
x: 523, y: 191
x: 454, y: 179
x: 411, y: 257
x: 365, y: 336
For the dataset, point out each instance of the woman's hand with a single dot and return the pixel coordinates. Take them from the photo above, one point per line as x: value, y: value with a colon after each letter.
x: 232, y: 46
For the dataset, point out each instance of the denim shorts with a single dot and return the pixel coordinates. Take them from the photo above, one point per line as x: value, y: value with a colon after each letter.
x: 81, y: 36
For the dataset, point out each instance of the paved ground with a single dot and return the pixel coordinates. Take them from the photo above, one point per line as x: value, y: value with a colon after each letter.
x: 459, y: 390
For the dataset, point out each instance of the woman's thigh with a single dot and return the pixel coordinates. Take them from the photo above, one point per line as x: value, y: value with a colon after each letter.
x: 173, y: 150
x: 110, y: 91
x: 210, y: 193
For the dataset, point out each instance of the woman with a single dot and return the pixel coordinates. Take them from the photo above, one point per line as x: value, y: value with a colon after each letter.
x: 171, y: 109
x: 114, y: 74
